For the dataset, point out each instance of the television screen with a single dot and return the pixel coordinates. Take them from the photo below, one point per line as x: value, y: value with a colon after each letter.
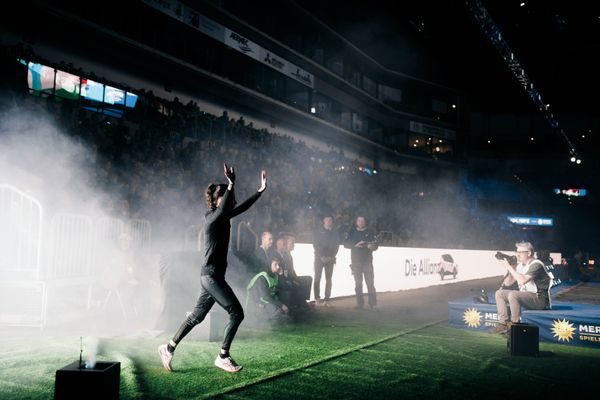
x: 92, y: 90
x: 40, y: 78
x: 67, y: 85
x: 130, y: 100
x: 113, y: 95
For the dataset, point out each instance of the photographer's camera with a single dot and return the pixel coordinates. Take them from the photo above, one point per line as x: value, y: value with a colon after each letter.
x: 512, y: 260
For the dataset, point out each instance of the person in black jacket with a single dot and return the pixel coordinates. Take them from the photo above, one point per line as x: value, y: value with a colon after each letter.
x: 326, y: 242
x: 303, y: 283
x: 292, y: 289
x: 264, y: 253
x: 362, y: 243
x: 221, y: 203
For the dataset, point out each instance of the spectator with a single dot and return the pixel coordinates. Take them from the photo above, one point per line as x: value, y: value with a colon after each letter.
x: 326, y: 242
x: 262, y: 297
x: 362, y: 243
x: 264, y: 253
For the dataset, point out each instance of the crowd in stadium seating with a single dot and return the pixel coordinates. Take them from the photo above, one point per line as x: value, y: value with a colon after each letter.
x: 162, y: 154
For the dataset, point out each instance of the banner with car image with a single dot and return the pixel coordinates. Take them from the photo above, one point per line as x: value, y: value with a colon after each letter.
x: 400, y: 268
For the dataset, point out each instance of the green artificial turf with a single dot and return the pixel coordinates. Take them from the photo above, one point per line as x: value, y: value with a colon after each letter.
x: 27, y: 365
x: 405, y: 350
x: 439, y: 362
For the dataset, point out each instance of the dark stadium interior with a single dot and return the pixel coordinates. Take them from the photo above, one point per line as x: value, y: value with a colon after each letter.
x: 505, y: 148
x: 458, y: 126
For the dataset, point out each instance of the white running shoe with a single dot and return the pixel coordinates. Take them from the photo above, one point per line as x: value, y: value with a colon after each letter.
x: 165, y: 356
x: 227, y: 364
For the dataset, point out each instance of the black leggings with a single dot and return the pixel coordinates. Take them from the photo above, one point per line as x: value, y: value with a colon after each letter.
x: 214, y: 289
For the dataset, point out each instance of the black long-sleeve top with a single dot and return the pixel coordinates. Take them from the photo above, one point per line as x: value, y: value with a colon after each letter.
x: 217, y: 230
x: 360, y: 255
x: 263, y: 259
x: 326, y: 242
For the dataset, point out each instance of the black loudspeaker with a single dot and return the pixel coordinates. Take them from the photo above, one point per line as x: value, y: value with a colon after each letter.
x: 98, y: 383
x: 523, y: 340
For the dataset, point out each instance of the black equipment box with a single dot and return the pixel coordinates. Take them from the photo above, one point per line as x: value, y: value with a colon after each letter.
x: 74, y: 382
x: 523, y: 340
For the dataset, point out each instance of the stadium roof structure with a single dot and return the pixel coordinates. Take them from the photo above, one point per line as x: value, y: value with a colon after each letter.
x: 529, y: 68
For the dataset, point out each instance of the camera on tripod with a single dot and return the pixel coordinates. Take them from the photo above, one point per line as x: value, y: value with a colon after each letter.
x: 482, y: 296
x: 512, y: 260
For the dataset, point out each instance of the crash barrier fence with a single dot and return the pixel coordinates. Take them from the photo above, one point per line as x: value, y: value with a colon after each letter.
x: 38, y: 255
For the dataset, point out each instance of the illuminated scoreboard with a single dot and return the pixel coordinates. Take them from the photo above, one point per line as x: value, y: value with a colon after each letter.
x: 571, y: 192
x: 530, y: 221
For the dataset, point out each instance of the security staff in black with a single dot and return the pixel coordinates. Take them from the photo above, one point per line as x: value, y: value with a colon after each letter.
x: 221, y: 202
x: 362, y: 243
x: 326, y: 242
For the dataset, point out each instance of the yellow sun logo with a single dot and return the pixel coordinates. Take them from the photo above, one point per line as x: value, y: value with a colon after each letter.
x: 563, y: 330
x: 472, y: 317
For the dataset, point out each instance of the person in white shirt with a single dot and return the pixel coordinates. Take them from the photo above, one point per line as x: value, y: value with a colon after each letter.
x: 533, y: 281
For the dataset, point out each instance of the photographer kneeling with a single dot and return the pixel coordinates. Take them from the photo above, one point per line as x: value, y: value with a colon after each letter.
x: 533, y: 284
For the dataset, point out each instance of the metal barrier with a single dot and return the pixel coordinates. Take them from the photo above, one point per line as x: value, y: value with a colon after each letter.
x: 108, y: 229
x: 22, y: 294
x: 141, y: 232
x: 386, y: 238
x: 194, y: 237
x: 70, y: 250
x: 20, y: 234
x: 73, y: 253
x: 246, y: 226
x: 108, y: 258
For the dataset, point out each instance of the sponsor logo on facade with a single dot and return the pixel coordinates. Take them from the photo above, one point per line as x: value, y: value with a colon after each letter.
x: 302, y: 76
x: 243, y: 43
x: 562, y: 330
x: 424, y: 267
x: 472, y: 317
x: 274, y: 61
x: 589, y: 333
